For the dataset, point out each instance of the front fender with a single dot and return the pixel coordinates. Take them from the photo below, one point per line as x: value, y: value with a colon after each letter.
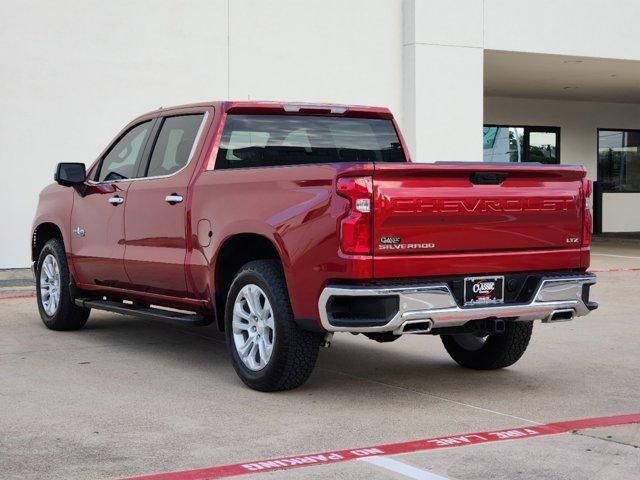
x: 54, y: 207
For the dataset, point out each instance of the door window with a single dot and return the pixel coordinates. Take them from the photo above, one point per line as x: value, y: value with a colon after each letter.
x: 124, y: 157
x: 175, y: 144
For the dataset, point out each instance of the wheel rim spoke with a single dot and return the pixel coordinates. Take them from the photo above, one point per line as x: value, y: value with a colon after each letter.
x: 267, y: 347
x: 269, y: 319
x: 239, y: 326
x: 239, y: 311
x: 45, y: 267
x: 246, y: 348
x: 262, y: 349
x: 251, y: 357
x: 252, y: 301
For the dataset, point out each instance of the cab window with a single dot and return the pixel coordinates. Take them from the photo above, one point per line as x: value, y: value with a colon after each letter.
x: 174, y: 145
x: 278, y: 140
x: 124, y: 157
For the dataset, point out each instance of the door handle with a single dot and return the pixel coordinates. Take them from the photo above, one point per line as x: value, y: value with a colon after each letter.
x: 117, y: 200
x: 173, y: 199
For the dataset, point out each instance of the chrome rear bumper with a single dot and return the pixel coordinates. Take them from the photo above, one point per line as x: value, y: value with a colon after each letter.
x: 557, y: 298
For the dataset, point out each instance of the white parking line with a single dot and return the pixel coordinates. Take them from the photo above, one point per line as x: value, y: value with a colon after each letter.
x: 615, y: 256
x: 401, y: 468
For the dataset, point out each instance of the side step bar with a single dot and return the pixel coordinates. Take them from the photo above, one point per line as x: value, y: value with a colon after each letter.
x: 149, y: 313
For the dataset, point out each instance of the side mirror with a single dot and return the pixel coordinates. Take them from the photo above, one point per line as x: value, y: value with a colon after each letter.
x: 70, y: 174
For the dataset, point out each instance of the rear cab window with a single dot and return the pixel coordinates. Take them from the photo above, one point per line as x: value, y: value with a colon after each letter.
x: 175, y: 144
x: 279, y: 140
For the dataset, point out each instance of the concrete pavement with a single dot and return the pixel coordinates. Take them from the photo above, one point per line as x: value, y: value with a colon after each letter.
x: 126, y: 397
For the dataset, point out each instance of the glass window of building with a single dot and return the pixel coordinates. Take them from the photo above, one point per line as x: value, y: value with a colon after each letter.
x: 619, y: 160
x: 521, y: 144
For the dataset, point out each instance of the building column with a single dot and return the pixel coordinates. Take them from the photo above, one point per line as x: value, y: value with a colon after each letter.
x: 443, y: 79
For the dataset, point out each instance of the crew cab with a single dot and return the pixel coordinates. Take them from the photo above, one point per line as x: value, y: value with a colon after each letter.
x: 285, y: 223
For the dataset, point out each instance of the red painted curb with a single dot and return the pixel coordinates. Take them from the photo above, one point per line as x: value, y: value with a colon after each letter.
x: 12, y: 296
x: 285, y: 463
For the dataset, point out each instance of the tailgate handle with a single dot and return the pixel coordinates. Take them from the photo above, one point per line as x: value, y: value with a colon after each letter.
x: 488, y: 178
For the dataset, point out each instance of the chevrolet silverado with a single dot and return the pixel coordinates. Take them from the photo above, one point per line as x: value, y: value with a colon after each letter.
x: 283, y: 223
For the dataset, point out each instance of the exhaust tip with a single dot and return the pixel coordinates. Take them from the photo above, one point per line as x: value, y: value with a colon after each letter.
x: 560, y: 315
x: 415, y: 326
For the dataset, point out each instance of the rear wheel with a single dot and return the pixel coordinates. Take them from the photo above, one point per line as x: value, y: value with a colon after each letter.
x: 56, y: 307
x: 268, y: 350
x: 492, y: 351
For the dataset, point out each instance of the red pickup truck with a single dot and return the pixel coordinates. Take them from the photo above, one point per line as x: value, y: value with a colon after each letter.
x: 284, y: 223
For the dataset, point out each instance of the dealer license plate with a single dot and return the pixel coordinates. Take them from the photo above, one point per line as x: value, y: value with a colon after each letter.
x: 483, y: 290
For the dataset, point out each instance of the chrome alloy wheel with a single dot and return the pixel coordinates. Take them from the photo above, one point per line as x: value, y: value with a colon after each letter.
x: 50, y: 285
x: 253, y: 327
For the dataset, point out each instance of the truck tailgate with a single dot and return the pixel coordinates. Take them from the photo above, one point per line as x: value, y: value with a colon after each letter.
x: 422, y: 210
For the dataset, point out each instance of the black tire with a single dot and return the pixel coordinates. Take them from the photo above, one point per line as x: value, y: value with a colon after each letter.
x: 67, y: 315
x: 499, y: 350
x: 294, y: 352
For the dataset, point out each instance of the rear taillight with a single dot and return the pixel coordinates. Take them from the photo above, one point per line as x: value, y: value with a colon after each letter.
x: 356, y: 225
x: 587, y: 219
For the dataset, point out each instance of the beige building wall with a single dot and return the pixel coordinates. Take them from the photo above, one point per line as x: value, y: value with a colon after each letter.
x: 442, y: 96
x: 74, y: 72
x: 621, y: 212
x: 591, y: 28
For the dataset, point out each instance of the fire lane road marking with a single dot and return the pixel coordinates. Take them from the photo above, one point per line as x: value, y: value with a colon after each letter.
x: 12, y: 295
x: 285, y: 463
x: 402, y: 468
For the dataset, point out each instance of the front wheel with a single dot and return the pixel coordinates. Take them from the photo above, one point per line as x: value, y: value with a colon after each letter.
x: 268, y: 350
x: 57, y: 310
x: 489, y: 351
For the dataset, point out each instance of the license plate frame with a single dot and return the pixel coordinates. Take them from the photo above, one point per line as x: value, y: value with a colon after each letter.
x: 484, y: 290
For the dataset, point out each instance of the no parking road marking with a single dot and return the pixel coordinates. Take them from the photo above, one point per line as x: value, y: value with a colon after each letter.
x: 285, y: 463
